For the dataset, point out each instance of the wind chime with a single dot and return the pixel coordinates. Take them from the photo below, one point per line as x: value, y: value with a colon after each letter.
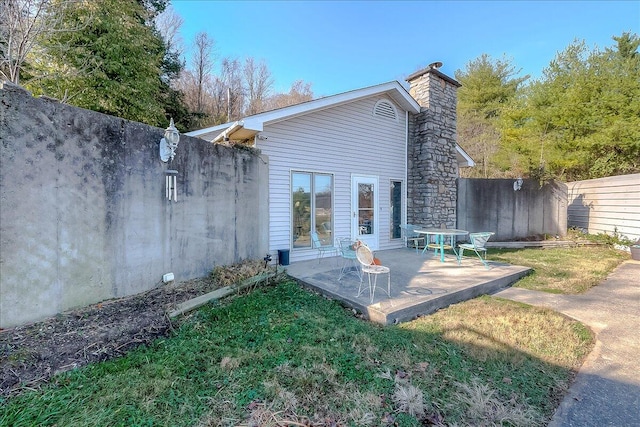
x: 171, y: 187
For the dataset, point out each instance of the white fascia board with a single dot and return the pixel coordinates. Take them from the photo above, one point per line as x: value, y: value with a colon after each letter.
x: 467, y: 160
x: 393, y: 89
x: 251, y: 123
x: 217, y: 128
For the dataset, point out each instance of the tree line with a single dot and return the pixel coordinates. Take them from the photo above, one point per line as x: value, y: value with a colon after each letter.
x: 125, y: 58
x: 580, y: 120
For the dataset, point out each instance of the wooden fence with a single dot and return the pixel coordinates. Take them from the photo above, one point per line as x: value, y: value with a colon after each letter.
x: 606, y: 205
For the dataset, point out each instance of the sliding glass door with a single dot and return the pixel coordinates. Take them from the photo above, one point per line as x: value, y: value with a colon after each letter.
x: 312, y: 208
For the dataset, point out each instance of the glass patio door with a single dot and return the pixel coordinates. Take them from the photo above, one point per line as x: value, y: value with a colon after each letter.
x: 364, y: 206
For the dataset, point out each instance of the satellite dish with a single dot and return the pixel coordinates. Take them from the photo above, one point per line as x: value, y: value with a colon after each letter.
x: 435, y: 65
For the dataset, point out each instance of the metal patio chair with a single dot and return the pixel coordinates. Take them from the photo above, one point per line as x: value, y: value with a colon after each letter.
x: 322, y: 249
x: 477, y: 244
x: 365, y: 257
x: 410, y: 236
x: 349, y: 259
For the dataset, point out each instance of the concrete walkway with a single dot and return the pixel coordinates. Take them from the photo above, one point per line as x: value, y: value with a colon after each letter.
x: 606, y: 391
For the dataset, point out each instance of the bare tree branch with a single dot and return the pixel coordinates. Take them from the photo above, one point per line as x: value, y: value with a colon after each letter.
x: 299, y: 92
x: 23, y: 23
x: 203, y: 65
x: 258, y: 83
x: 169, y: 23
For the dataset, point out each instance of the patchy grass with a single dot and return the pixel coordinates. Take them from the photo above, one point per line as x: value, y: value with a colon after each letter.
x: 285, y: 356
x: 562, y: 270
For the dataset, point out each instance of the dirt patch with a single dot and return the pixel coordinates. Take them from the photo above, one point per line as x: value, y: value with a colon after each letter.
x: 30, y: 355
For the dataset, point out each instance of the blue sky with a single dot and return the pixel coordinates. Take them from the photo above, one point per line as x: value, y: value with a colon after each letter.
x: 344, y: 45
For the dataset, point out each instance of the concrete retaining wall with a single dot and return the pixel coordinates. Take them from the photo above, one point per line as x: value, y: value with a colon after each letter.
x: 83, y: 213
x: 494, y: 205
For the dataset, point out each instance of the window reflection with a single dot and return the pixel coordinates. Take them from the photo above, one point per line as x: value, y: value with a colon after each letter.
x: 312, y: 208
x: 396, y: 209
x: 365, y: 208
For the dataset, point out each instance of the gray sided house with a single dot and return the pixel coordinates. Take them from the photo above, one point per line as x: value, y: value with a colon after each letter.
x: 357, y: 164
x: 86, y: 213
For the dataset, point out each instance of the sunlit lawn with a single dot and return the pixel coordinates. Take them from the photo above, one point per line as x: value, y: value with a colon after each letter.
x: 562, y: 270
x: 285, y: 356
x: 284, y: 353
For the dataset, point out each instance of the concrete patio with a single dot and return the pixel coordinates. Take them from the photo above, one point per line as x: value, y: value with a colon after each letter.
x: 420, y: 284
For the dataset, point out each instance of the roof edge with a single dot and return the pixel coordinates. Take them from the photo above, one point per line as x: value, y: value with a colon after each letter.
x: 394, y: 89
x: 469, y: 162
x: 199, y: 132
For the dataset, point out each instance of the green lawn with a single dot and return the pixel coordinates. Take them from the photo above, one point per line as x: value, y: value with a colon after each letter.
x: 283, y: 353
x: 562, y: 270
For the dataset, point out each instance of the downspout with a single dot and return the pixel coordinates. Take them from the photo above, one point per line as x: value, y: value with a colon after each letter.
x: 406, y: 166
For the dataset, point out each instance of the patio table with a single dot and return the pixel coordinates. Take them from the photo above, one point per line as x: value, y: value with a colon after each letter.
x: 440, y: 234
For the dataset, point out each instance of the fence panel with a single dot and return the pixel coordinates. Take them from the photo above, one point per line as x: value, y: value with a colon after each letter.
x: 606, y: 205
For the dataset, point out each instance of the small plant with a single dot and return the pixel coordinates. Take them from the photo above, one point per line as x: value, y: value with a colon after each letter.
x: 226, y: 275
x: 611, y: 240
x: 483, y: 407
x: 408, y: 398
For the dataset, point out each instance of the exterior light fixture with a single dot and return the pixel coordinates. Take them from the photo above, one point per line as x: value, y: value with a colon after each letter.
x: 169, y: 143
x: 517, y: 184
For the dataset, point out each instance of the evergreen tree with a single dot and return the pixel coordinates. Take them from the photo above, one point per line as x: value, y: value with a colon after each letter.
x: 488, y: 89
x: 585, y: 111
x: 116, y: 64
x: 580, y: 120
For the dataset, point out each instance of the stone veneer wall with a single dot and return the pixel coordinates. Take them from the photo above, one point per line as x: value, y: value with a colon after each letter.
x: 432, y: 155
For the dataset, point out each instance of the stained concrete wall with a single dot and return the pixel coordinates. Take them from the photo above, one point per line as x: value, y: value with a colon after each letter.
x: 83, y: 213
x: 494, y: 205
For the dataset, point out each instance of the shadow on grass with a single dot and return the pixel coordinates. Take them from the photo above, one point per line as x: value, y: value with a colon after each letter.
x: 284, y: 353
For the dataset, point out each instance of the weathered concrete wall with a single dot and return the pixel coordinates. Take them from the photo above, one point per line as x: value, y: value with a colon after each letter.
x: 83, y: 213
x: 432, y: 157
x: 606, y: 205
x: 494, y: 205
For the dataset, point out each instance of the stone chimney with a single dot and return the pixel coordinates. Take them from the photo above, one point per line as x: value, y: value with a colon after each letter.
x: 432, y: 155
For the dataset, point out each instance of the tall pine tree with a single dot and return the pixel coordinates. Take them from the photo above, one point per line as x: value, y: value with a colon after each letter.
x: 116, y: 63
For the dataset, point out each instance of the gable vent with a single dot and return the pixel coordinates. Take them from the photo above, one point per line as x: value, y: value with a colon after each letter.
x: 385, y: 109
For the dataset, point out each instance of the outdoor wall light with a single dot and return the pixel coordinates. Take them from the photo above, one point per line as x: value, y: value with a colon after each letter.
x: 517, y: 184
x: 169, y: 143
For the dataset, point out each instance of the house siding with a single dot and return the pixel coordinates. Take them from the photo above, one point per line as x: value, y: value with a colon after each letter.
x: 343, y: 141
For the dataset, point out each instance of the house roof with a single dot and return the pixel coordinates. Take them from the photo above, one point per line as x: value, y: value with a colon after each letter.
x: 248, y: 127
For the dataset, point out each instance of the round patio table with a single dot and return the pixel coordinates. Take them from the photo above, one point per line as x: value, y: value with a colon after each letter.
x: 440, y: 234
